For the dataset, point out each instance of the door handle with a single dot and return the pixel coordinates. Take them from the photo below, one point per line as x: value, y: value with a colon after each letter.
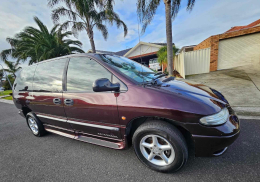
x: 68, y: 102
x: 57, y: 101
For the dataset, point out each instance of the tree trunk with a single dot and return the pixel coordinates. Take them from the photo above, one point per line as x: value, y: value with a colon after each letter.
x: 91, y: 39
x: 162, y: 68
x: 92, y: 44
x: 169, y: 36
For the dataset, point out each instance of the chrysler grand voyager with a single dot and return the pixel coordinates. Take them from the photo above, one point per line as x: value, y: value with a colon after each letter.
x: 115, y: 102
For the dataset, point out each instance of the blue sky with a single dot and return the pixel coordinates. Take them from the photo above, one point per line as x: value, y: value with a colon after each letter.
x: 207, y: 18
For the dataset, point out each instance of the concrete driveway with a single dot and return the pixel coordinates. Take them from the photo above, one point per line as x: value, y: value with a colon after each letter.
x: 241, y: 87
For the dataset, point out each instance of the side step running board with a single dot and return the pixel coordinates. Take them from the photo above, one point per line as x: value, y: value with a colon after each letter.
x: 88, y: 139
x: 104, y: 143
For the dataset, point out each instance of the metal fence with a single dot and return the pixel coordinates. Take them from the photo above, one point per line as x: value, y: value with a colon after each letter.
x: 179, y: 64
x: 193, y: 62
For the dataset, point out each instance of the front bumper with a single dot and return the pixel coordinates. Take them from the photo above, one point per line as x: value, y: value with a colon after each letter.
x: 216, y: 145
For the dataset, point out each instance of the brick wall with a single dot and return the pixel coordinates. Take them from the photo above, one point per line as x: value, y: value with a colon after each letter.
x: 213, y: 43
x: 214, y: 53
x: 203, y: 45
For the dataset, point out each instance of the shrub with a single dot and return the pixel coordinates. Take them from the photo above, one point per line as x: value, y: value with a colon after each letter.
x: 6, y: 84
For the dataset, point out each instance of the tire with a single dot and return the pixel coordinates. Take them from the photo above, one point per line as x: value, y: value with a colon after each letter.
x: 168, y: 137
x: 35, y: 125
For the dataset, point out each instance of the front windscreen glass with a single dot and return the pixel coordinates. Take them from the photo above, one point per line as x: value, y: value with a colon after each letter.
x: 129, y: 68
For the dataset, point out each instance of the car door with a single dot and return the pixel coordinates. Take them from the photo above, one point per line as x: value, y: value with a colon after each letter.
x: 89, y: 112
x: 47, y: 102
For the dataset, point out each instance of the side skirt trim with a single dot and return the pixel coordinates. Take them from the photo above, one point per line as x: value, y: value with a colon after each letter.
x: 80, y: 123
x: 94, y: 125
x: 48, y: 117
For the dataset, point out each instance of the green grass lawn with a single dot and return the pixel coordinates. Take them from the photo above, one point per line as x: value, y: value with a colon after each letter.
x: 7, y: 92
x: 8, y: 98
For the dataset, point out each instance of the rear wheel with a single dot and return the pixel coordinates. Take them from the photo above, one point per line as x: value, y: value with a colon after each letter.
x: 35, y: 125
x: 160, y: 146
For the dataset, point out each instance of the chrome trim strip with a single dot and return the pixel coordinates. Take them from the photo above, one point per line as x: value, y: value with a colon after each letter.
x: 60, y: 133
x: 48, y: 117
x: 98, y: 142
x: 56, y: 127
x: 94, y: 125
x: 80, y: 123
x: 222, y: 152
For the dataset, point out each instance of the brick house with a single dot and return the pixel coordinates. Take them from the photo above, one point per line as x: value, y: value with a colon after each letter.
x: 238, y: 46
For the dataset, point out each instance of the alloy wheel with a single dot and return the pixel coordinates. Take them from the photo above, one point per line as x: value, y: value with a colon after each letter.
x: 33, y: 125
x: 157, y: 150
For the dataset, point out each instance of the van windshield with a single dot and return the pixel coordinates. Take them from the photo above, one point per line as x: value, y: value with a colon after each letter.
x: 129, y: 68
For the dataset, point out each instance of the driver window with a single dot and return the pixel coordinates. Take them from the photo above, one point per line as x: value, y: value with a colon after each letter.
x: 82, y: 72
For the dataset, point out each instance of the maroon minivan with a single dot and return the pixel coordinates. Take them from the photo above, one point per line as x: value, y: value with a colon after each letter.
x: 115, y: 102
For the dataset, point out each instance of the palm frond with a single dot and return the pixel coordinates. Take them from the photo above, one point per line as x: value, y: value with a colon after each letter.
x: 40, y: 24
x: 61, y: 11
x: 146, y: 11
x: 190, y: 4
x: 91, y: 13
x: 103, y: 30
x: 5, y: 53
x: 38, y: 44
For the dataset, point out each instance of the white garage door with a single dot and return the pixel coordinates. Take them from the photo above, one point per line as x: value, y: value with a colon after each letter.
x: 239, y: 51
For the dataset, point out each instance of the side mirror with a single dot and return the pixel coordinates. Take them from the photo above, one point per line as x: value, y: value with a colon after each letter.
x: 103, y: 84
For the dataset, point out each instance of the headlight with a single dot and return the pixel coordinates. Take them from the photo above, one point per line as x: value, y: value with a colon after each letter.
x: 216, y: 119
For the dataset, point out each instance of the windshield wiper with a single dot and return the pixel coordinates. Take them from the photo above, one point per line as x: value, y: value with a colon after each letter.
x: 147, y: 73
x: 153, y: 81
x: 161, y: 75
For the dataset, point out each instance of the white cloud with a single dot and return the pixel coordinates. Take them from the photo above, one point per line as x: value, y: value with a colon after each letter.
x: 129, y: 36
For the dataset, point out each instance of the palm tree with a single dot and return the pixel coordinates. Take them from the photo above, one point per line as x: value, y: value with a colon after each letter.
x: 35, y: 45
x: 86, y: 15
x: 146, y: 10
x: 11, y: 67
x: 162, y: 54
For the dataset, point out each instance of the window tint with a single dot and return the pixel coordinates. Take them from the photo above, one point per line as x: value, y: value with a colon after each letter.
x: 24, y: 79
x: 82, y: 72
x: 48, y: 76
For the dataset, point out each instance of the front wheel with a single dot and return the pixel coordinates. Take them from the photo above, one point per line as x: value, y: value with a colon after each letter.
x: 160, y: 146
x: 35, y: 125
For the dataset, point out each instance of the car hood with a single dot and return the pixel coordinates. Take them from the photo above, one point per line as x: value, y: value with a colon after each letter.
x: 201, y: 99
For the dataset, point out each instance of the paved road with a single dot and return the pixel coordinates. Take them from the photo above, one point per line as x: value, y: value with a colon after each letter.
x: 24, y: 157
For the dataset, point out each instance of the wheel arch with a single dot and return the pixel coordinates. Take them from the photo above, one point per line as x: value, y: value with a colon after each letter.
x: 136, y: 122
x: 25, y: 111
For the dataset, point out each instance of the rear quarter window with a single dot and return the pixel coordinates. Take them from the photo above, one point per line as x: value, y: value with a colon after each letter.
x: 24, y: 79
x: 48, y: 76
